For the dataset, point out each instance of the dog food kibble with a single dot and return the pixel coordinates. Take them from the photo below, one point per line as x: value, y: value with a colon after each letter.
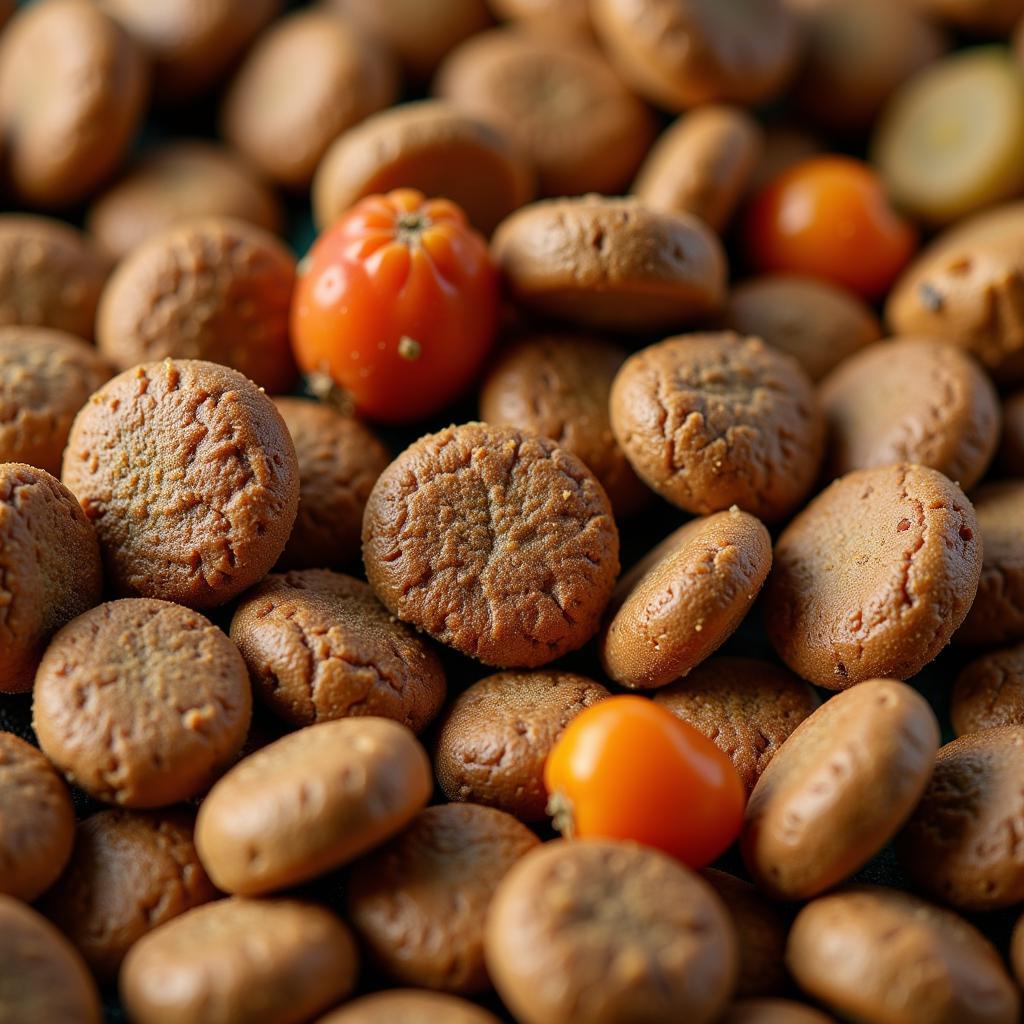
x: 1011, y: 447
x: 596, y: 932
x: 130, y: 873
x: 188, y: 473
x: 715, y: 420
x: 935, y: 968
x: 989, y: 692
x: 874, y: 576
x: 240, y: 961
x: 310, y: 802
x: 839, y: 788
x: 420, y: 902
x: 409, y: 1006
x: 495, y: 542
x: 37, y: 822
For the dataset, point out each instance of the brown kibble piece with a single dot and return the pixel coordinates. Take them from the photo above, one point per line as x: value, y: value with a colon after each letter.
x: 557, y: 386
x: 989, y: 692
x: 190, y: 477
x: 685, y: 599
x: 419, y: 903
x: 42, y: 977
x: 46, y: 376
x: 240, y: 961
x: 130, y: 873
x: 715, y: 420
x: 339, y: 462
x: 602, y: 931
x: 495, y: 738
x: 410, y: 1005
x: 610, y: 263
x: 310, y: 802
x: 773, y: 1011
x: 873, y: 577
x: 49, y: 568
x: 960, y: 845
x: 839, y: 788
x: 1011, y: 447
x: 495, y: 542
x: 747, y: 708
x: 37, y: 822
x: 141, y: 703
x: 933, y: 966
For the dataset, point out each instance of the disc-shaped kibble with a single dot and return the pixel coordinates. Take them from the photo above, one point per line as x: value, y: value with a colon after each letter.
x: 773, y: 1011
x: 960, y: 845
x: 37, y: 821
x: 49, y: 568
x: 685, y: 599
x: 1011, y: 446
x: 911, y: 400
x: 715, y: 420
x: 141, y: 703
x: 989, y: 692
x: 243, y: 961
x: 886, y: 956
x: 190, y: 477
x: 599, y: 931
x: 610, y: 263
x: 839, y: 788
x: 310, y: 802
x: 874, y: 576
x: 748, y: 708
x: 495, y: 542
x: 414, y: 1006
x: 495, y: 738
x: 420, y: 902
x: 320, y: 646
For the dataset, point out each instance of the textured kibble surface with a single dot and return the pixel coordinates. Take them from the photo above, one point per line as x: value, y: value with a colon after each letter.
x: 989, y: 692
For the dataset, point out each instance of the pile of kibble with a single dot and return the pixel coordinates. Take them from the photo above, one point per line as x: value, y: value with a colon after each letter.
x: 583, y: 586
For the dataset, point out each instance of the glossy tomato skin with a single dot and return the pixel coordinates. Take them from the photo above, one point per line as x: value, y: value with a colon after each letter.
x: 627, y: 768
x: 397, y: 304
x: 828, y: 216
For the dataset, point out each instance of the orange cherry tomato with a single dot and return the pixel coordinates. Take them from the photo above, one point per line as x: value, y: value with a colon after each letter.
x: 397, y: 304
x: 627, y: 768
x: 829, y: 216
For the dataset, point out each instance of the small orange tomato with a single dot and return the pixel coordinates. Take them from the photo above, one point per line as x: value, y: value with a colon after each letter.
x: 829, y: 216
x: 397, y: 304
x: 627, y: 768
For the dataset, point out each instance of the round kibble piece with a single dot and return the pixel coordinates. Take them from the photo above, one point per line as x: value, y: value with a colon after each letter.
x: 685, y: 599
x: 495, y: 542
x: 411, y: 1006
x: 773, y: 1011
x: 50, y: 275
x: 190, y: 477
x: 141, y: 703
x: 495, y: 738
x: 839, y: 788
x: 997, y: 615
x: 1011, y: 448
x: 815, y: 321
x: 747, y: 708
x: 911, y: 400
x: 715, y: 420
x: 320, y: 646
x: 49, y: 568
x: 989, y: 692
x: 213, y: 289
x: 42, y: 977
x: 600, y: 931
x: 420, y: 902
x: 46, y: 376
x: 873, y: 577
x: 176, y: 182
x: 936, y: 967
x: 310, y: 802
x: 37, y: 822
x: 557, y: 386
x: 610, y: 263
x: 961, y: 845
x: 130, y: 873
x: 240, y: 961
x: 339, y: 462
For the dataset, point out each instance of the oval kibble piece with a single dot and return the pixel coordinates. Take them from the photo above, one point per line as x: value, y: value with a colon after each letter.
x: 773, y: 1011
x: 240, y: 961
x: 839, y: 788
x: 310, y: 802
x: 887, y: 957
x: 410, y: 1006
x: 989, y: 692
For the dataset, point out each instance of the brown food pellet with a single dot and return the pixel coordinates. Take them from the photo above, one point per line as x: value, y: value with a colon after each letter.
x: 1011, y: 447
x: 989, y: 692
x: 411, y: 1005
